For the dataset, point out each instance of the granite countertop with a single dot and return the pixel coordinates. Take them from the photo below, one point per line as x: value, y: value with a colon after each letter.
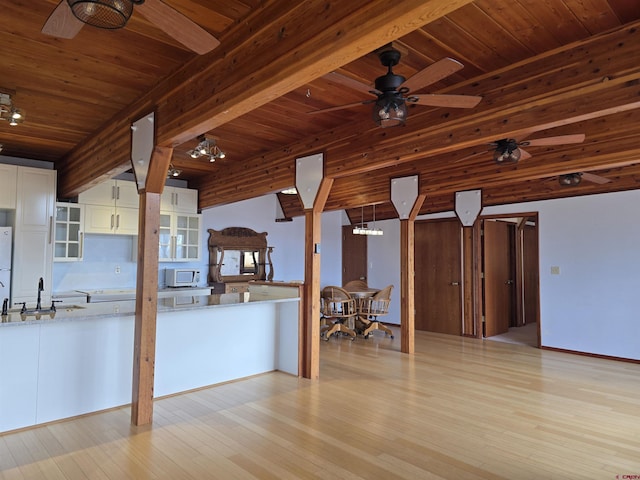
x: 179, y: 301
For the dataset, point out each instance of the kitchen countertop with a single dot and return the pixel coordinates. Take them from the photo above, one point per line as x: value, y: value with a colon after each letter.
x: 179, y: 301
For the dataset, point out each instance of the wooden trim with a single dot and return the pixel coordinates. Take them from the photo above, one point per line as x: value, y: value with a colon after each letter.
x: 407, y: 286
x: 309, y: 351
x: 468, y: 282
x: 158, y: 167
x: 144, y: 348
x: 587, y: 354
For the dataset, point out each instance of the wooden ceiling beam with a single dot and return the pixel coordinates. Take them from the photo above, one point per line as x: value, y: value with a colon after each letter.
x: 573, y: 84
x: 279, y: 47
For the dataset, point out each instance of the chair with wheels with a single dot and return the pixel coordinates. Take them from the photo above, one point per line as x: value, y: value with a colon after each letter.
x: 337, y: 306
x: 370, y: 308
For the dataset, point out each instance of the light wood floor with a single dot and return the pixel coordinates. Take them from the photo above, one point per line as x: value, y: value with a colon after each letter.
x: 458, y: 409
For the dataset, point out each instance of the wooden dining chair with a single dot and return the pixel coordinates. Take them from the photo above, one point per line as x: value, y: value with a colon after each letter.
x: 337, y: 306
x: 370, y: 308
x: 355, y: 286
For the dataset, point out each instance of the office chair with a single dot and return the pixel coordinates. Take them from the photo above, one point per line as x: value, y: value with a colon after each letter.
x: 337, y: 305
x: 370, y: 308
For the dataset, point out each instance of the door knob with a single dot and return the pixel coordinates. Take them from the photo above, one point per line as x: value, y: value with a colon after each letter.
x: 455, y: 284
x: 509, y: 282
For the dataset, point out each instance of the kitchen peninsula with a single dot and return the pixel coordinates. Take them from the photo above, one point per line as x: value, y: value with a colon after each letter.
x: 80, y: 359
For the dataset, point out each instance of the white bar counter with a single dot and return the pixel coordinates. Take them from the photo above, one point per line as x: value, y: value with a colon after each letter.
x: 81, y: 360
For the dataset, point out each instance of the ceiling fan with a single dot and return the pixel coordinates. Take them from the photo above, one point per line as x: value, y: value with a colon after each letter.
x: 69, y: 16
x: 392, y: 91
x: 509, y: 150
x: 573, y: 179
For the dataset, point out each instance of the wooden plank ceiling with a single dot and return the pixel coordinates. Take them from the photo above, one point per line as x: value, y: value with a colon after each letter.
x: 542, y: 68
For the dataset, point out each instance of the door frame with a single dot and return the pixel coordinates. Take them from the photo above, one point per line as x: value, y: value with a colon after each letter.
x: 477, y: 271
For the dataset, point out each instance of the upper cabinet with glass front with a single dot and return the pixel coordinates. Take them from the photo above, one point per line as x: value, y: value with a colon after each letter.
x: 68, y: 232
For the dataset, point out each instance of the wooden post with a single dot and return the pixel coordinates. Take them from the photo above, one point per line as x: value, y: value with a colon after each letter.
x: 407, y: 278
x: 144, y: 349
x: 309, y: 350
x: 146, y: 310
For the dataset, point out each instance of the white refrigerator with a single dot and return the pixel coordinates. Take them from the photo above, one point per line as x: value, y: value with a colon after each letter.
x: 5, y: 262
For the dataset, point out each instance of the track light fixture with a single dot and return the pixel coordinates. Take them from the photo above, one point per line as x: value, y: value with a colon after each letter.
x: 206, y: 148
x: 109, y: 14
x: 9, y: 112
x: 173, y: 171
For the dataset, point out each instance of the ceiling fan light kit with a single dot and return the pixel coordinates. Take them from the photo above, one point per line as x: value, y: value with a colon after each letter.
x: 109, y: 14
x: 506, y: 151
x: 570, y: 179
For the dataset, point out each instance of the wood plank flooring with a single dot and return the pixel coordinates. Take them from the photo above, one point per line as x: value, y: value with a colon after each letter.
x: 460, y: 408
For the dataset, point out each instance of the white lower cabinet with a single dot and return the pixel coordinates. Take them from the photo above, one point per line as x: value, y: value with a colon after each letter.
x: 179, y: 237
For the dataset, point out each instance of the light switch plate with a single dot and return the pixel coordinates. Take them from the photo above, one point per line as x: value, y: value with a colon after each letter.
x: 555, y: 270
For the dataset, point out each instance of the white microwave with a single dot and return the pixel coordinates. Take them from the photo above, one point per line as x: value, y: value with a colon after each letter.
x: 181, y: 277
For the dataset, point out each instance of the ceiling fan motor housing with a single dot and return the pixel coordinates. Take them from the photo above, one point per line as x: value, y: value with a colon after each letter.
x: 507, y: 151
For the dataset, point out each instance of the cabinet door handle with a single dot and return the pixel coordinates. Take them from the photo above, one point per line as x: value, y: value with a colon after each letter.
x: 81, y: 245
x: 117, y: 221
x: 50, y: 229
x: 176, y: 204
x: 112, y: 220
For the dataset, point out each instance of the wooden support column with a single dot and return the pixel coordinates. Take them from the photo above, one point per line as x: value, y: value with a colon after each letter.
x: 309, y: 351
x: 144, y: 350
x: 407, y: 278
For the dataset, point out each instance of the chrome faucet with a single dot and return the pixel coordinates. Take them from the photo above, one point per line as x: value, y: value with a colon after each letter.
x: 40, y: 289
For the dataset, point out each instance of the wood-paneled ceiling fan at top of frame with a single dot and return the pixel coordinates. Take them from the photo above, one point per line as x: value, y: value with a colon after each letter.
x: 69, y: 16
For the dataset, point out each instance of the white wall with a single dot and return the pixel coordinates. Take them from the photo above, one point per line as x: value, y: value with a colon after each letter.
x: 287, y: 238
x: 595, y: 240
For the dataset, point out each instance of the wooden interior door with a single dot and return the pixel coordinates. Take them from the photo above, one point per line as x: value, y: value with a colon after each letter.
x: 530, y: 273
x: 438, y: 276
x: 498, y: 281
x: 354, y: 255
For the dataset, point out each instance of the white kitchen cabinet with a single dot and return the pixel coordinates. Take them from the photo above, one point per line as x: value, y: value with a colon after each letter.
x: 8, y: 178
x: 176, y: 199
x: 68, y: 235
x: 33, y: 251
x: 179, y: 237
x: 111, y: 207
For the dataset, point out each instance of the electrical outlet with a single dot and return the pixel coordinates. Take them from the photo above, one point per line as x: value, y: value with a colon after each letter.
x: 117, y: 269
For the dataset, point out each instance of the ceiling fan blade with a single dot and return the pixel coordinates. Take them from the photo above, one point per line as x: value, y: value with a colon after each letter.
x: 591, y: 177
x: 559, y: 140
x: 473, y: 155
x: 524, y: 155
x: 453, y: 101
x: 433, y: 73
x: 341, y: 107
x: 62, y: 23
x: 177, y: 26
x: 349, y: 82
